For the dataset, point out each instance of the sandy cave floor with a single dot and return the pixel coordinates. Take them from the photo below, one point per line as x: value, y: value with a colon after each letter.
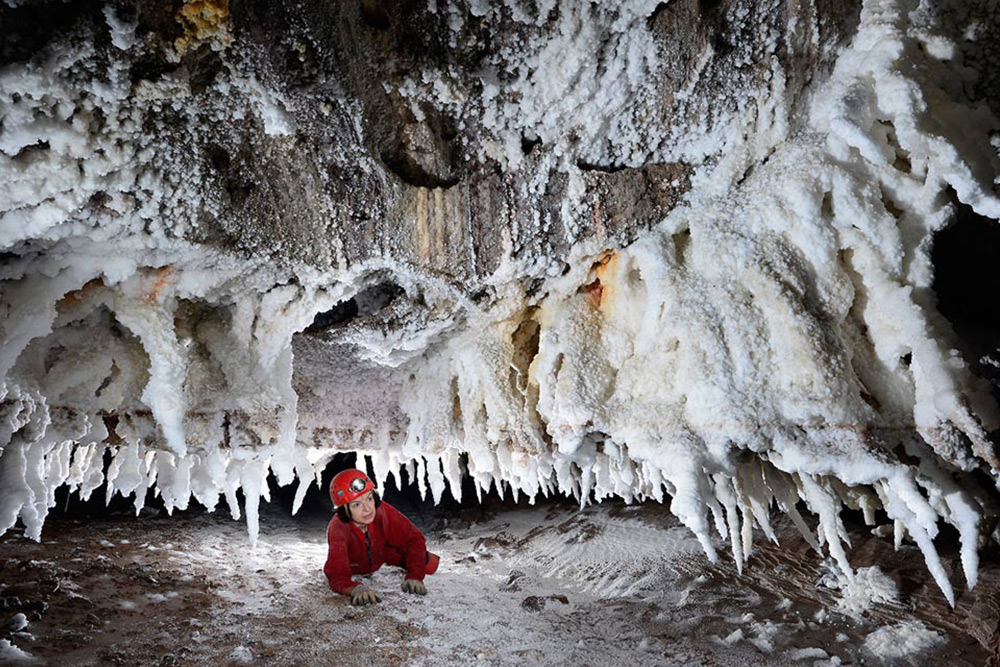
x: 546, y: 585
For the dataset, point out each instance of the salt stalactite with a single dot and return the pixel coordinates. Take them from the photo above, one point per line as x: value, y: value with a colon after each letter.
x: 146, y: 377
x: 145, y: 307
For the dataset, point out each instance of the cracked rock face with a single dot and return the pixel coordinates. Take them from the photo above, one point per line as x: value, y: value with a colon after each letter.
x: 677, y: 251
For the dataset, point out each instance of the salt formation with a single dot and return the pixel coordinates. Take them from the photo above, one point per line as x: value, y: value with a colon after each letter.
x: 772, y: 340
x: 901, y: 640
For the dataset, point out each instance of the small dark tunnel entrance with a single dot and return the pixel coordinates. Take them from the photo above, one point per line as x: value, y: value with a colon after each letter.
x: 966, y: 258
x: 406, y: 496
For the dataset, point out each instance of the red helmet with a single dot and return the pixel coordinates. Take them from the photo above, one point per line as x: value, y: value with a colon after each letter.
x: 348, y: 485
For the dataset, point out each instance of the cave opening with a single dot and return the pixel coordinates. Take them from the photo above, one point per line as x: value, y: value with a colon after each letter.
x: 966, y: 282
x: 368, y: 301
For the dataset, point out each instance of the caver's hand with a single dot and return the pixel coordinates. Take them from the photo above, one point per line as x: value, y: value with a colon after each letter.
x: 362, y: 595
x: 415, y: 587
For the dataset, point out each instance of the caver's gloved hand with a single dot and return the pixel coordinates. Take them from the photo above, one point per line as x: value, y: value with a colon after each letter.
x: 414, y: 586
x: 362, y: 595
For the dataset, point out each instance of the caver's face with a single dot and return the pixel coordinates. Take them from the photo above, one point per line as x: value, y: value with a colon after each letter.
x: 363, y: 509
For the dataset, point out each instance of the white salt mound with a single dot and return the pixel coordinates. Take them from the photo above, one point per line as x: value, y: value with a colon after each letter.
x: 902, y: 639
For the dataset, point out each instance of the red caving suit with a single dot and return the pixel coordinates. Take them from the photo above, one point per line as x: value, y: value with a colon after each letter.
x: 392, y: 539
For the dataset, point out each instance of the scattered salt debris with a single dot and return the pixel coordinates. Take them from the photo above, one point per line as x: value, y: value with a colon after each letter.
x: 808, y: 654
x: 764, y: 635
x: 16, y: 623
x: 733, y: 637
x: 241, y: 654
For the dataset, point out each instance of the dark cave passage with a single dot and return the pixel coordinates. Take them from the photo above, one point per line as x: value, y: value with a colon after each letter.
x: 967, y: 282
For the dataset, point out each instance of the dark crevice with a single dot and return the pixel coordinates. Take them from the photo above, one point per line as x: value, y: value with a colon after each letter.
x: 708, y: 6
x: 236, y: 185
x: 52, y: 357
x: 525, y: 341
x: 872, y: 402
x: 423, y: 152
x: 604, y: 168
x: 456, y: 402
x: 826, y: 209
x: 403, y: 166
x: 651, y: 19
x: 203, y: 66
x: 106, y: 382
x: 151, y: 67
x: 110, y: 424
x: 342, y: 312
x: 890, y: 204
x: 483, y: 296
x: 26, y: 30
x: 33, y: 148
x: 528, y: 144
x: 373, y: 299
x: 366, y: 302
x: 746, y: 174
x: 722, y: 43
x: 966, y: 281
x: 218, y: 158
x: 374, y: 15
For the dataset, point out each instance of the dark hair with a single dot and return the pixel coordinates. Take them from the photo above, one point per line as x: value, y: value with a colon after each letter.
x: 342, y: 510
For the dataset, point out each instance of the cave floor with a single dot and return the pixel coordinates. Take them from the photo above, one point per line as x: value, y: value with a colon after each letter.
x: 546, y: 585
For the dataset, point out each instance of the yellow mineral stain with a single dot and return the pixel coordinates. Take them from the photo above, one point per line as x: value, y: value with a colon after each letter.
x: 423, y: 230
x: 441, y: 218
x: 435, y: 215
x: 203, y: 21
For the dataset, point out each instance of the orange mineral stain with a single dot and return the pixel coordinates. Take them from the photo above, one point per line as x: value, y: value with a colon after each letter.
x: 601, y: 290
x: 162, y: 277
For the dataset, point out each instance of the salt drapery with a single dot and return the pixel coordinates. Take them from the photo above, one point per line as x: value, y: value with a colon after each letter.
x: 773, y: 341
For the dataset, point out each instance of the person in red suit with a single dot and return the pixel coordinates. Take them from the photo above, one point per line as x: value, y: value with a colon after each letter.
x: 367, y: 532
